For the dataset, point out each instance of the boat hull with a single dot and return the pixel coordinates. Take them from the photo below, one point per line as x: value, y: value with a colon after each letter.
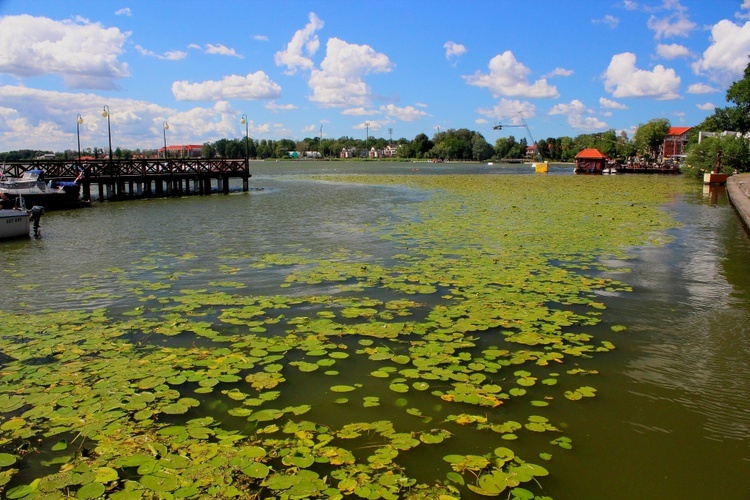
x: 14, y: 224
x: 51, y: 201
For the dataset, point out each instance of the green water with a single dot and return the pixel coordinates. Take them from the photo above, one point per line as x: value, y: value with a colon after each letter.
x: 671, y: 416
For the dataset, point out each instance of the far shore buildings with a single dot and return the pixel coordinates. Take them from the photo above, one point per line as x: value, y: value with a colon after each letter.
x: 390, y: 151
x: 675, y: 142
x: 183, y: 151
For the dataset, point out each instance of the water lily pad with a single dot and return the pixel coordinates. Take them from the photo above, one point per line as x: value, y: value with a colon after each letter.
x: 90, y: 490
x: 6, y: 459
x: 342, y: 388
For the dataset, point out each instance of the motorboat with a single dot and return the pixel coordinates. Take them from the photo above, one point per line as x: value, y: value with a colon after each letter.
x: 16, y: 222
x: 35, y: 191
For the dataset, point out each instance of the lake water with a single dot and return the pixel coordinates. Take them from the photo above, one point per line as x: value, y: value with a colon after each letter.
x: 672, y: 414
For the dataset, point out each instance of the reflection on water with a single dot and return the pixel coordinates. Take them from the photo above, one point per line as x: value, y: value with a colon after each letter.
x: 672, y: 419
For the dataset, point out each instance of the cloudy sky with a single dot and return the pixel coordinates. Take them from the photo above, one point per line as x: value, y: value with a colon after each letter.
x: 388, y: 68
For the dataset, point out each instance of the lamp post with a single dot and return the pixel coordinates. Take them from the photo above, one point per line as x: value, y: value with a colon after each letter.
x: 79, y: 121
x: 166, y: 127
x: 105, y: 114
x: 244, y: 122
x: 367, y: 137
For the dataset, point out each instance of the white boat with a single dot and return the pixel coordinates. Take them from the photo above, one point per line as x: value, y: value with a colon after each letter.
x: 16, y: 222
x: 35, y: 191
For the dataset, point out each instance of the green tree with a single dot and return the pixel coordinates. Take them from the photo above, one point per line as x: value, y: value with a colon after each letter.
x: 732, y: 118
x: 649, y: 137
x: 421, y: 146
x: 480, y: 150
x: 735, y: 154
x: 503, y: 147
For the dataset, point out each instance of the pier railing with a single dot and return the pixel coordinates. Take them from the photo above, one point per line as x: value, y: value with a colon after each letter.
x: 138, y: 177
x: 96, y: 169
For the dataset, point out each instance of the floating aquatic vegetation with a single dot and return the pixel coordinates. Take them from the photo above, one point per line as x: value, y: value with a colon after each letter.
x: 477, y: 325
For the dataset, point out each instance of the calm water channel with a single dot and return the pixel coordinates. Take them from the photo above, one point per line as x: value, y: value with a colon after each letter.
x: 672, y: 414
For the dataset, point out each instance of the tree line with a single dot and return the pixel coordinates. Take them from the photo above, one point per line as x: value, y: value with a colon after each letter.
x: 452, y: 145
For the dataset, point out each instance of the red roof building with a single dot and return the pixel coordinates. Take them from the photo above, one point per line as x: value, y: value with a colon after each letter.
x: 590, y: 161
x: 183, y: 151
x: 675, y: 142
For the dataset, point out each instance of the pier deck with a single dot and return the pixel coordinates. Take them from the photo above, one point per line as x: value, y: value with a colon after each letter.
x: 121, y: 179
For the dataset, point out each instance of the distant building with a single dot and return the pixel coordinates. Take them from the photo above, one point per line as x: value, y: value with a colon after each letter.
x: 183, y: 151
x: 675, y: 142
x: 348, y: 152
x: 702, y: 135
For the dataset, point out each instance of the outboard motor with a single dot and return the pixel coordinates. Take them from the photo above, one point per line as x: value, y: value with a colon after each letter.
x: 36, y: 215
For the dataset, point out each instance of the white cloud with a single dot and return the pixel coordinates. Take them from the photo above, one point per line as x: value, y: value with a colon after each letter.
x: 253, y: 86
x: 453, y: 49
x: 746, y: 7
x: 303, y: 44
x: 629, y: 5
x: 84, y: 54
x: 370, y: 125
x: 406, y: 114
x: 508, y: 77
x: 170, y: 55
x: 701, y: 88
x: 222, y: 50
x: 672, y: 51
x: 274, y: 106
x: 609, y: 20
x: 42, y: 119
x: 339, y: 81
x: 559, y: 72
x: 624, y: 79
x: 577, y: 114
x: 260, y: 38
x: 510, y: 111
x: 676, y: 23
x: 725, y: 60
x: 124, y: 12
x: 358, y: 111
x: 217, y: 49
x: 608, y: 104
x: 707, y: 106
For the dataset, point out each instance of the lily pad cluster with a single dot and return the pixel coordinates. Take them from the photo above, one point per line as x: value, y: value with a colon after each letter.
x: 405, y: 375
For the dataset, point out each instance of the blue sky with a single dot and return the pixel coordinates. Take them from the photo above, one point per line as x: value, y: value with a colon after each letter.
x: 403, y: 67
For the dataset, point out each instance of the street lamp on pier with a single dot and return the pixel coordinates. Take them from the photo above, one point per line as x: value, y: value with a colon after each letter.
x: 367, y: 137
x: 79, y: 121
x: 105, y: 114
x: 166, y: 127
x: 244, y: 122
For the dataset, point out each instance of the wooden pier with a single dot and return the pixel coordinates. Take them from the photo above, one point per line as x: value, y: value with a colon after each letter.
x: 119, y: 179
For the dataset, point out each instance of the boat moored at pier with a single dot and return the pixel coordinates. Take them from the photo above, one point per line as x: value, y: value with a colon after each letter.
x: 52, y: 195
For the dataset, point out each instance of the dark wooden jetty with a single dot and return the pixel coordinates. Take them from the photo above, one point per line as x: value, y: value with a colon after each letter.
x: 119, y: 179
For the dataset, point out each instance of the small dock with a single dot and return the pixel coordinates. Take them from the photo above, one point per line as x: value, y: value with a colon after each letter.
x: 123, y: 179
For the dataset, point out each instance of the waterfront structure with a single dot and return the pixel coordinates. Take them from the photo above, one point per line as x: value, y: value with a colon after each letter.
x: 676, y: 142
x: 590, y: 161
